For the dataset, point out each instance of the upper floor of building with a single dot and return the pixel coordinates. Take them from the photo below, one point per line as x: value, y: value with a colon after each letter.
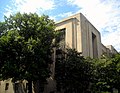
x: 81, y: 35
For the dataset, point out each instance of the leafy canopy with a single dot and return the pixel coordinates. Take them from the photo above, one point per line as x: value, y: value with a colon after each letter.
x: 26, y: 47
x: 73, y: 72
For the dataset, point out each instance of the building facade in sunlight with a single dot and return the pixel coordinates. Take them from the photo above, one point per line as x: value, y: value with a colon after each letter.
x: 77, y: 33
x: 81, y: 35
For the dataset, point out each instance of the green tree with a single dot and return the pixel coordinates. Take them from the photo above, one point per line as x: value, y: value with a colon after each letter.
x: 116, y: 60
x: 2, y: 27
x: 73, y: 72
x: 107, y: 75
x: 26, y: 48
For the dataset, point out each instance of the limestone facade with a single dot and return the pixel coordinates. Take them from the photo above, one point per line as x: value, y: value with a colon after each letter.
x: 81, y: 35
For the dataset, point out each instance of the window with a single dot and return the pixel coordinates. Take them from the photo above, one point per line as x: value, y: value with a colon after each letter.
x: 61, y: 39
x: 94, y: 45
x: 6, y: 86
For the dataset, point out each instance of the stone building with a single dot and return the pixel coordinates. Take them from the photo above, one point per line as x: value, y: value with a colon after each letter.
x: 81, y: 35
x: 78, y: 33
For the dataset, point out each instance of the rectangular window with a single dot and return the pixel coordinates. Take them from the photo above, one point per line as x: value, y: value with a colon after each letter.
x: 94, y: 46
x: 6, y: 86
x: 61, y: 39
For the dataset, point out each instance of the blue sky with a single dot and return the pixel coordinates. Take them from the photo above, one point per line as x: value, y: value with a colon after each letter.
x: 103, y: 14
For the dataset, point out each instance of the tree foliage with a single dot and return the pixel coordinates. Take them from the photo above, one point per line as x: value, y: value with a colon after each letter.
x: 107, y: 75
x: 26, y: 47
x: 2, y: 27
x: 73, y: 72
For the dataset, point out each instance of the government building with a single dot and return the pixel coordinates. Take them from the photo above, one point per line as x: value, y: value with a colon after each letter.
x: 77, y: 33
x: 81, y: 35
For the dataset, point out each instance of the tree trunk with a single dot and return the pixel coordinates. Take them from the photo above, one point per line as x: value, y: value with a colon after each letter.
x: 29, y: 86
